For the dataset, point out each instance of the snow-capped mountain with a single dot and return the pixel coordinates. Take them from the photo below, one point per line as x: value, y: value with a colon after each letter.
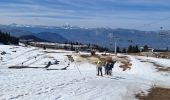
x: 100, y: 36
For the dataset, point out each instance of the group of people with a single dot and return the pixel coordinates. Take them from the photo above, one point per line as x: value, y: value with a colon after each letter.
x: 108, y: 66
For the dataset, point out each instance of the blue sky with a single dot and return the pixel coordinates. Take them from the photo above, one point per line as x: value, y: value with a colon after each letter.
x: 134, y: 14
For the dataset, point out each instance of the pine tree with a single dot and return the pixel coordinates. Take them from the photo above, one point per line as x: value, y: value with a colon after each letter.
x: 137, y: 49
x: 72, y: 48
x: 133, y: 49
x: 124, y: 50
x: 167, y: 49
x: 130, y: 49
x: 145, y: 48
x: 118, y: 50
x: 6, y: 38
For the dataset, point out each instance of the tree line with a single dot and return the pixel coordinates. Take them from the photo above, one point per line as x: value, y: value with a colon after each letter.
x: 132, y: 49
x: 6, y: 38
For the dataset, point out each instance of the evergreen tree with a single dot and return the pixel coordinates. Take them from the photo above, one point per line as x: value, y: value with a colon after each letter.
x: 133, y: 49
x: 137, y: 49
x: 124, y: 50
x: 145, y: 48
x: 7, y: 39
x: 72, y: 48
x: 167, y: 49
x: 130, y: 49
x: 118, y: 50
x: 76, y: 43
x: 88, y: 45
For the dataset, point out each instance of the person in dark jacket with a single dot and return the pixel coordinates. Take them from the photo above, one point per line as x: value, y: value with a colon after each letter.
x: 111, y: 65
x: 106, y: 68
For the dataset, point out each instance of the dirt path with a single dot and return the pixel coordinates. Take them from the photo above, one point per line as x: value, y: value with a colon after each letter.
x: 155, y: 93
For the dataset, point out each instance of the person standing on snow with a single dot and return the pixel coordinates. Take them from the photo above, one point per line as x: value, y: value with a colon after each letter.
x: 107, y: 65
x: 99, y: 68
x: 111, y: 65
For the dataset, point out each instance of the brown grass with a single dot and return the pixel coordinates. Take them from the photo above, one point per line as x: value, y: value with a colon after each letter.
x: 155, y: 93
x: 122, y: 57
x: 54, y: 52
x: 157, y: 55
x: 125, y: 62
x: 161, y: 68
x: 164, y: 55
x: 93, y: 59
x: 125, y: 65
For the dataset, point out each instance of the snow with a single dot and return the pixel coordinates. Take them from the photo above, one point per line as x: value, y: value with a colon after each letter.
x: 78, y: 82
x: 164, y: 62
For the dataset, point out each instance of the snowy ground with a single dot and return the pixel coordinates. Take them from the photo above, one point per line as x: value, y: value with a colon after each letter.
x: 42, y: 84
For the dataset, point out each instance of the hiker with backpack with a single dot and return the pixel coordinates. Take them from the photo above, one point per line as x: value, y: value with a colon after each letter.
x: 99, y: 68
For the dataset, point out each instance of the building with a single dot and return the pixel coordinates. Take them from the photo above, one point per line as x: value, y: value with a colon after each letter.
x: 59, y: 46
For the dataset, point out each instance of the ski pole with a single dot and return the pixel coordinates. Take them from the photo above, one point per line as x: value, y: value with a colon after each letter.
x: 77, y: 68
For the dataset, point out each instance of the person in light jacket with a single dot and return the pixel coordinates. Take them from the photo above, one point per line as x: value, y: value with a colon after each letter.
x: 99, y: 68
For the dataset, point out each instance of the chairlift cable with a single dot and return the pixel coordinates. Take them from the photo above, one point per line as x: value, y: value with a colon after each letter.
x: 155, y: 22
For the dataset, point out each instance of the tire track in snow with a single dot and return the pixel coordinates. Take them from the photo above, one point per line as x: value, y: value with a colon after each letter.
x: 62, y: 86
x: 18, y: 96
x: 37, y: 59
x: 29, y: 52
x: 24, y: 53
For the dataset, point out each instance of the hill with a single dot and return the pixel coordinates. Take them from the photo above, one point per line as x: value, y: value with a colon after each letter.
x: 32, y: 37
x: 53, y: 37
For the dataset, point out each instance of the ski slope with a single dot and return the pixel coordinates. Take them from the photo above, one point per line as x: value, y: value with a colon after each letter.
x: 78, y: 82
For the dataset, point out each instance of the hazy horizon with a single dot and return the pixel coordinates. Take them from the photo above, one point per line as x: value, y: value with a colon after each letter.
x: 129, y: 14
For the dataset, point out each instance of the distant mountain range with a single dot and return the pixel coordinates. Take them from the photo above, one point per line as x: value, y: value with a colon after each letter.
x: 100, y: 36
x: 53, y: 37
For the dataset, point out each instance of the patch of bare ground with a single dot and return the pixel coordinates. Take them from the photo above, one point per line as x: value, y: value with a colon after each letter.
x: 156, y: 54
x: 70, y: 58
x: 93, y: 59
x: 159, y: 67
x: 164, y: 55
x: 155, y: 93
x: 125, y: 66
x: 124, y: 60
x: 125, y: 63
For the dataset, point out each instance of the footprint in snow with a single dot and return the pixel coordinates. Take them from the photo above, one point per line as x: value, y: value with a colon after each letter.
x: 117, y: 78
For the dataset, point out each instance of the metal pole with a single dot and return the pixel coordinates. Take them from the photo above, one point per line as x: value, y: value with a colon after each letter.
x: 115, y: 48
x: 77, y: 68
